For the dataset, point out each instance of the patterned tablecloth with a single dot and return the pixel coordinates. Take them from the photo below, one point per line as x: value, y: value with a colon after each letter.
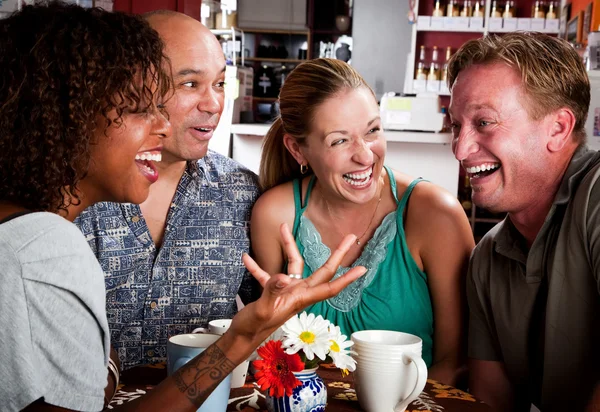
x: 340, y: 393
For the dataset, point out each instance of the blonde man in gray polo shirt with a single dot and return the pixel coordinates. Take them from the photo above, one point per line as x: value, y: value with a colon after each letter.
x: 519, y: 105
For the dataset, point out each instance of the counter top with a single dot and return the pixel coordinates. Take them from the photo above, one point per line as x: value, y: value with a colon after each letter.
x: 260, y: 129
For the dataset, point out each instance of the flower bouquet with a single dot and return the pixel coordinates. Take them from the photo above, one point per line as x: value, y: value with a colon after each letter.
x: 287, y: 368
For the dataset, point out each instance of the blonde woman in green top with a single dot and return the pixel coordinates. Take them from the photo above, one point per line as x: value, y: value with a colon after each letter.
x: 323, y: 171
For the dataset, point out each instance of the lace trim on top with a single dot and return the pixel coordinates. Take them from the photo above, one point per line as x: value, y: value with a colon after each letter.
x: 316, y: 253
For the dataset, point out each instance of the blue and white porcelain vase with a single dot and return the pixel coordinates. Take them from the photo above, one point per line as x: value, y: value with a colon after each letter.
x: 311, y: 396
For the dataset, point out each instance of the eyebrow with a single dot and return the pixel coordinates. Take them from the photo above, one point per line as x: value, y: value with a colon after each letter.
x: 187, y: 71
x: 344, y: 132
x: 474, y: 107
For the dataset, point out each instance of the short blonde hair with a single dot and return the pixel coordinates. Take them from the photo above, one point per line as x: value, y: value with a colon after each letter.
x: 307, y: 87
x: 552, y: 72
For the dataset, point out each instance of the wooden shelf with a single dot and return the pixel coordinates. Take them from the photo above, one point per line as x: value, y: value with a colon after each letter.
x: 332, y: 31
x: 264, y: 99
x: 463, y: 30
x: 273, y: 59
x: 275, y: 31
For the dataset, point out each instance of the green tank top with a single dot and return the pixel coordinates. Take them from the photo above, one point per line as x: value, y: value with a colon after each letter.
x: 392, y: 295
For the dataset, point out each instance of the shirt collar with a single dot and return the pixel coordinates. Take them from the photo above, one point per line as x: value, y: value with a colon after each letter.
x: 509, y: 242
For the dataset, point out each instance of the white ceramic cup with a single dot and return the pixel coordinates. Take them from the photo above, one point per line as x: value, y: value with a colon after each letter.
x: 183, y: 348
x: 219, y: 327
x: 390, y: 372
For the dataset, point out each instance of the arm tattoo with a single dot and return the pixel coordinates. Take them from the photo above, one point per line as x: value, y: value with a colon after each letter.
x: 199, y: 377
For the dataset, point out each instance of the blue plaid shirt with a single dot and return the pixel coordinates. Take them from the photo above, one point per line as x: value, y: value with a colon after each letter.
x: 194, y: 277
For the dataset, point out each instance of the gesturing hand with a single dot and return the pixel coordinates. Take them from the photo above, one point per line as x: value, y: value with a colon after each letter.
x: 284, y: 296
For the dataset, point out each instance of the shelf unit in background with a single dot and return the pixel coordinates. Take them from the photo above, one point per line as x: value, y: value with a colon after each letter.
x: 234, y: 44
x: 453, y: 37
x: 321, y: 21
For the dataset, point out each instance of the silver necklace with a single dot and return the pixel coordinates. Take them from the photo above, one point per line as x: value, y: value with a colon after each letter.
x: 368, y: 227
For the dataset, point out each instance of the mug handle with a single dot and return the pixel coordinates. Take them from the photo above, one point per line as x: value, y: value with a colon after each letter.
x: 420, y: 381
x: 180, y: 362
x: 200, y: 330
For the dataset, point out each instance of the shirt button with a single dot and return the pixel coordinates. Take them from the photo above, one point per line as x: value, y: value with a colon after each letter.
x: 135, y: 219
x: 173, y: 205
x: 153, y: 305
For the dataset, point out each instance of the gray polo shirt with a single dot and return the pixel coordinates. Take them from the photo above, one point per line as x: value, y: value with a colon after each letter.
x: 538, y: 311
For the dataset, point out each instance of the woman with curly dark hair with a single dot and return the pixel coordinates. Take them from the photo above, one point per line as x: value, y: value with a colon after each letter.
x: 81, y: 122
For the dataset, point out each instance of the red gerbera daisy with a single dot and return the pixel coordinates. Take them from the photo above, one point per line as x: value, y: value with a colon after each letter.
x: 275, y: 369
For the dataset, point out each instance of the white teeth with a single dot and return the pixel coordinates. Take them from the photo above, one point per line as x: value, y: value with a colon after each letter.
x: 359, y: 175
x: 482, y: 168
x: 156, y: 157
x: 358, y: 179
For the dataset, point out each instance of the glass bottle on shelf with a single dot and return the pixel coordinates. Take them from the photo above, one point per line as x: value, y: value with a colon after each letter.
x: 433, y: 70
x: 537, y: 10
x: 438, y: 10
x: 551, y: 14
x: 509, y: 10
x: 421, y: 68
x: 445, y: 68
x: 478, y: 8
x: 466, y: 10
x: 495, y: 10
x: 452, y: 9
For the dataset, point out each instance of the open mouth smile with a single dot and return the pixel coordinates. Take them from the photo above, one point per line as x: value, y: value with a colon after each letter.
x: 145, y: 162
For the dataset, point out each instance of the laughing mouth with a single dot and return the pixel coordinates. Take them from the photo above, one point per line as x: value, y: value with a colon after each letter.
x: 358, y: 179
x: 484, y: 169
x: 144, y: 160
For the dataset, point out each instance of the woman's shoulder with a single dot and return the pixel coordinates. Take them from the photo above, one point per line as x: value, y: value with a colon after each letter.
x: 275, y: 205
x: 427, y: 196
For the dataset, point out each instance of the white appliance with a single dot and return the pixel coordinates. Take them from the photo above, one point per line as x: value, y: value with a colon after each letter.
x: 592, y: 124
x: 238, y: 98
x: 420, y: 112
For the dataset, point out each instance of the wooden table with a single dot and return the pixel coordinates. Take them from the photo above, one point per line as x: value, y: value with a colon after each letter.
x: 341, y: 396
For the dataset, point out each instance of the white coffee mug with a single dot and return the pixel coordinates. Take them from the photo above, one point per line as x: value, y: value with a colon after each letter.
x: 219, y: 327
x: 392, y: 373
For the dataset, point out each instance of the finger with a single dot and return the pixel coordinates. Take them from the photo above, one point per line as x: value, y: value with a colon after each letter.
x: 294, y: 259
x: 329, y: 289
x: 326, y: 272
x: 260, y: 275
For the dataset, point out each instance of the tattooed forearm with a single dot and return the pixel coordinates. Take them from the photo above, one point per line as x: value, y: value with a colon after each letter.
x: 198, y: 378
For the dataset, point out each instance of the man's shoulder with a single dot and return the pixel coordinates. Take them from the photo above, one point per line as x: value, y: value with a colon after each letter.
x: 485, y: 251
x: 224, y: 167
x: 93, y: 216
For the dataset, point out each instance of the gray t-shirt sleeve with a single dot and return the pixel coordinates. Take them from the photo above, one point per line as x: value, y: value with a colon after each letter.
x: 54, y: 333
x: 483, y: 342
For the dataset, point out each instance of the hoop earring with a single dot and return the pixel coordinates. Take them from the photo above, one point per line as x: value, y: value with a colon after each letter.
x: 303, y: 169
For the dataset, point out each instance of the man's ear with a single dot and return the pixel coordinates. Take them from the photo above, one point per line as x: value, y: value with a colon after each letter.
x: 294, y: 148
x: 561, y: 129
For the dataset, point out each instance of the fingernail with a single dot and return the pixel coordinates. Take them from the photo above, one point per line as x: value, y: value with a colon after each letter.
x: 280, y: 284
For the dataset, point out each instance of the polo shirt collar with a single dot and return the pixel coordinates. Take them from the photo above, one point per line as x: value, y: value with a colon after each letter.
x: 509, y: 242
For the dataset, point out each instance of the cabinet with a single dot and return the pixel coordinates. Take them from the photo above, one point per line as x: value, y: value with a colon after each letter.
x: 322, y: 16
x: 272, y: 14
x: 189, y: 7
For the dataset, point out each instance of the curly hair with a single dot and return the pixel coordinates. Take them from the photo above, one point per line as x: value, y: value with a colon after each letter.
x: 66, y: 71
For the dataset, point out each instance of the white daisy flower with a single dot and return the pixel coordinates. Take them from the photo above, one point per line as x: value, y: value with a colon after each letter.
x: 338, y: 349
x: 307, y: 333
